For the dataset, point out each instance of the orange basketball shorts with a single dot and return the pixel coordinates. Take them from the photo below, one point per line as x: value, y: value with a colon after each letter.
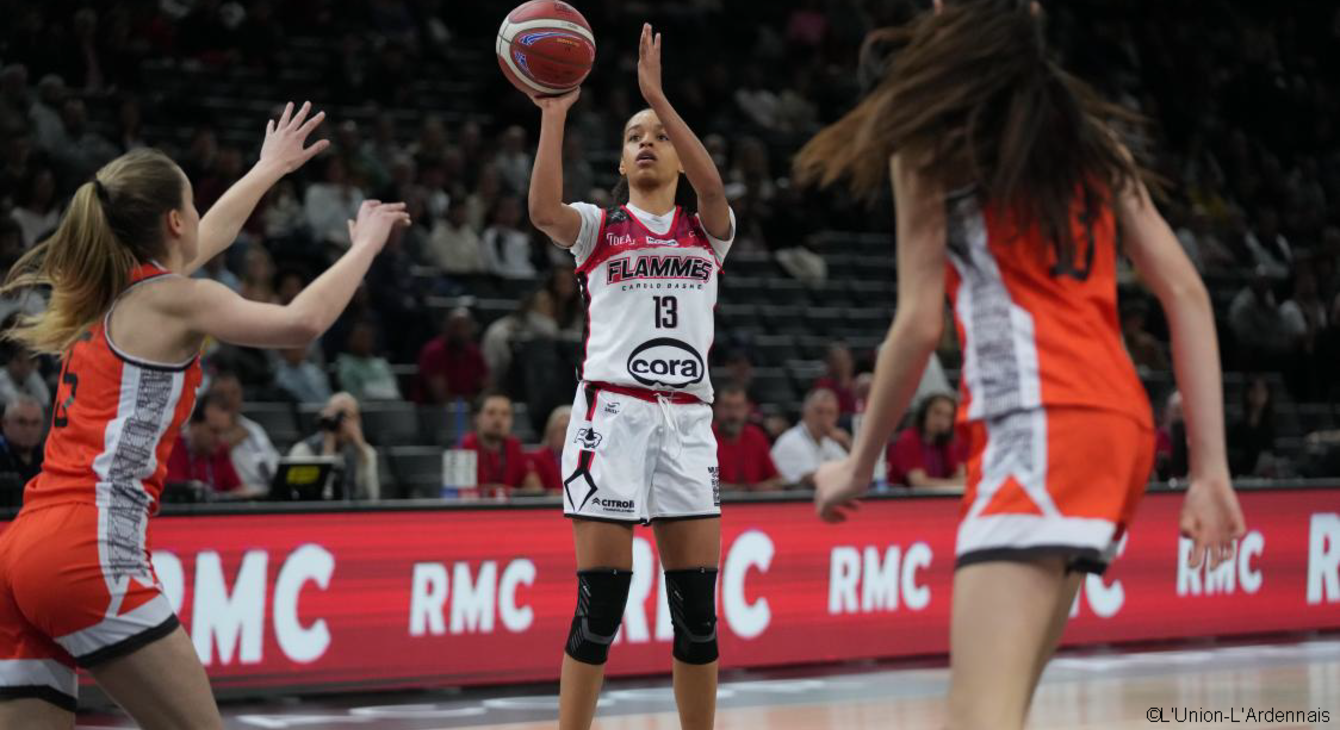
x: 1053, y: 481
x: 76, y: 589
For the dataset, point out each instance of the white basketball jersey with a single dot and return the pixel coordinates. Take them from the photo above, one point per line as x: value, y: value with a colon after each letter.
x: 650, y: 287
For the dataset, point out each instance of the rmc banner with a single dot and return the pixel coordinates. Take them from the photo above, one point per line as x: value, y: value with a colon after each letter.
x: 452, y: 596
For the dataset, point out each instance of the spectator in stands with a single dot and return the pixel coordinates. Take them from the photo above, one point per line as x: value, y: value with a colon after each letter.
x: 503, y: 468
x: 37, y: 211
x: 258, y: 277
x: 20, y: 163
x: 48, y: 126
x: 1170, y: 460
x: 928, y: 453
x: 283, y: 216
x: 1305, y: 318
x: 217, y: 270
x: 1145, y: 350
x: 484, y: 198
x: 330, y: 205
x: 569, y: 309
x: 431, y: 145
x: 1270, y: 249
x: 84, y: 150
x: 506, y: 247
x: 227, y: 169
x: 814, y: 441
x: 1204, y: 247
x: 1322, y: 454
x: 578, y: 175
x: 1257, y: 322
x: 451, y: 365
x: 740, y: 367
x: 15, y: 100
x: 743, y: 455
x: 362, y: 372
x: 130, y: 125
x: 453, y: 245
x: 534, y: 318
x: 202, y: 453
x: 840, y: 377
x: 547, y: 460
x: 514, y: 160
x: 21, y: 442
x: 1251, y: 438
x: 340, y: 434
x: 254, y: 455
x: 303, y: 380
x: 20, y: 376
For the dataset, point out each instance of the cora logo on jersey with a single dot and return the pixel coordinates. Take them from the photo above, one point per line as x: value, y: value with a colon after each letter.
x: 666, y: 361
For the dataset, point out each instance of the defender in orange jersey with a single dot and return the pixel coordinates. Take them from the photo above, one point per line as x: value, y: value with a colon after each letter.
x: 1009, y: 187
x: 76, y: 585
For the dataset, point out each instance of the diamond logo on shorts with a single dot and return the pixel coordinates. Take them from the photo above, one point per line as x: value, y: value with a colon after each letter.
x: 588, y: 439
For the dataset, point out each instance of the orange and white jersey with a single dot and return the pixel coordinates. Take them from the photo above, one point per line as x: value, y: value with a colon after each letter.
x: 115, y: 421
x: 1035, y: 332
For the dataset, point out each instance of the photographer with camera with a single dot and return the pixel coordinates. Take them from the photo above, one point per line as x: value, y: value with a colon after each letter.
x: 340, y: 433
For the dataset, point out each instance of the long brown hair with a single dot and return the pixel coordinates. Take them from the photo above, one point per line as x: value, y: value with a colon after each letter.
x: 974, y: 98
x: 114, y: 223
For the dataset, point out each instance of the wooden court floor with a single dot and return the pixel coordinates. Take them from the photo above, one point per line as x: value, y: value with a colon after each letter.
x: 1222, y: 686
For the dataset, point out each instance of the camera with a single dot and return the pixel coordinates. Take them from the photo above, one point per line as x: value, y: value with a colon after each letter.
x: 331, y: 422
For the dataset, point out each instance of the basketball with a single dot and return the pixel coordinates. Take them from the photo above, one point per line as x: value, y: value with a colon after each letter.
x: 545, y: 48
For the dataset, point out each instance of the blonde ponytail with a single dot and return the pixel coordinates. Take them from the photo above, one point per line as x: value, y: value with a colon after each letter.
x: 114, y: 223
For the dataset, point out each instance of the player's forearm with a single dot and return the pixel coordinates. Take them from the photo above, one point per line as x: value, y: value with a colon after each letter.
x: 697, y: 161
x: 317, y: 307
x: 1196, y: 368
x: 898, y: 368
x: 220, y: 226
x: 546, y: 180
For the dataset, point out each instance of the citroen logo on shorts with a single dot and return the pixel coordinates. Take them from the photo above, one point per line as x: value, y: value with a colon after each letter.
x: 666, y: 361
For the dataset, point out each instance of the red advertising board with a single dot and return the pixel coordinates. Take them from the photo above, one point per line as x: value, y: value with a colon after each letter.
x: 400, y: 598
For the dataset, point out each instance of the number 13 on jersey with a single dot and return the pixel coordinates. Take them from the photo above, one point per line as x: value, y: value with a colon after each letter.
x: 667, y: 313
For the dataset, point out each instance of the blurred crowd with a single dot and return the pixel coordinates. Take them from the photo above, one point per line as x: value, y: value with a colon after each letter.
x: 472, y: 306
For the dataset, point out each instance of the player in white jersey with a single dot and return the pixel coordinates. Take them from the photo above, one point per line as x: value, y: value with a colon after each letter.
x: 640, y: 446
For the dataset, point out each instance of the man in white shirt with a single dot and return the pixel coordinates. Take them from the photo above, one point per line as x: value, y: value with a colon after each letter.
x: 254, y: 456
x: 815, y: 440
x: 19, y: 377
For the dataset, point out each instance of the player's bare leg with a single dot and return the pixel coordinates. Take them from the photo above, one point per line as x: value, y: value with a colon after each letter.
x: 163, y: 686
x: 684, y: 545
x: 1060, y: 615
x: 1002, y: 618
x: 34, y: 715
x: 599, y: 545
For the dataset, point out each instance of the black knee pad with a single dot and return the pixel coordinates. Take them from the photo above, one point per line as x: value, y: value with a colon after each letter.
x: 693, y: 611
x: 601, y: 595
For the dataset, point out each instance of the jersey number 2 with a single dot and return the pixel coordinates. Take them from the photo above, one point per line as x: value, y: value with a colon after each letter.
x: 61, y: 418
x: 1071, y: 266
x: 667, y: 313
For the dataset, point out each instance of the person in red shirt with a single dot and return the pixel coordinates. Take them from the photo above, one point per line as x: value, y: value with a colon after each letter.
x: 927, y: 454
x: 451, y: 365
x: 203, y: 456
x: 743, y: 453
x: 547, y: 459
x: 840, y: 378
x: 503, y: 467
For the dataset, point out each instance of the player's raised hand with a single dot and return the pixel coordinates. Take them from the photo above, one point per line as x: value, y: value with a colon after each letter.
x: 286, y: 136
x: 649, y: 65
x: 375, y: 222
x: 836, y: 487
x: 557, y: 104
x: 1211, y: 519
